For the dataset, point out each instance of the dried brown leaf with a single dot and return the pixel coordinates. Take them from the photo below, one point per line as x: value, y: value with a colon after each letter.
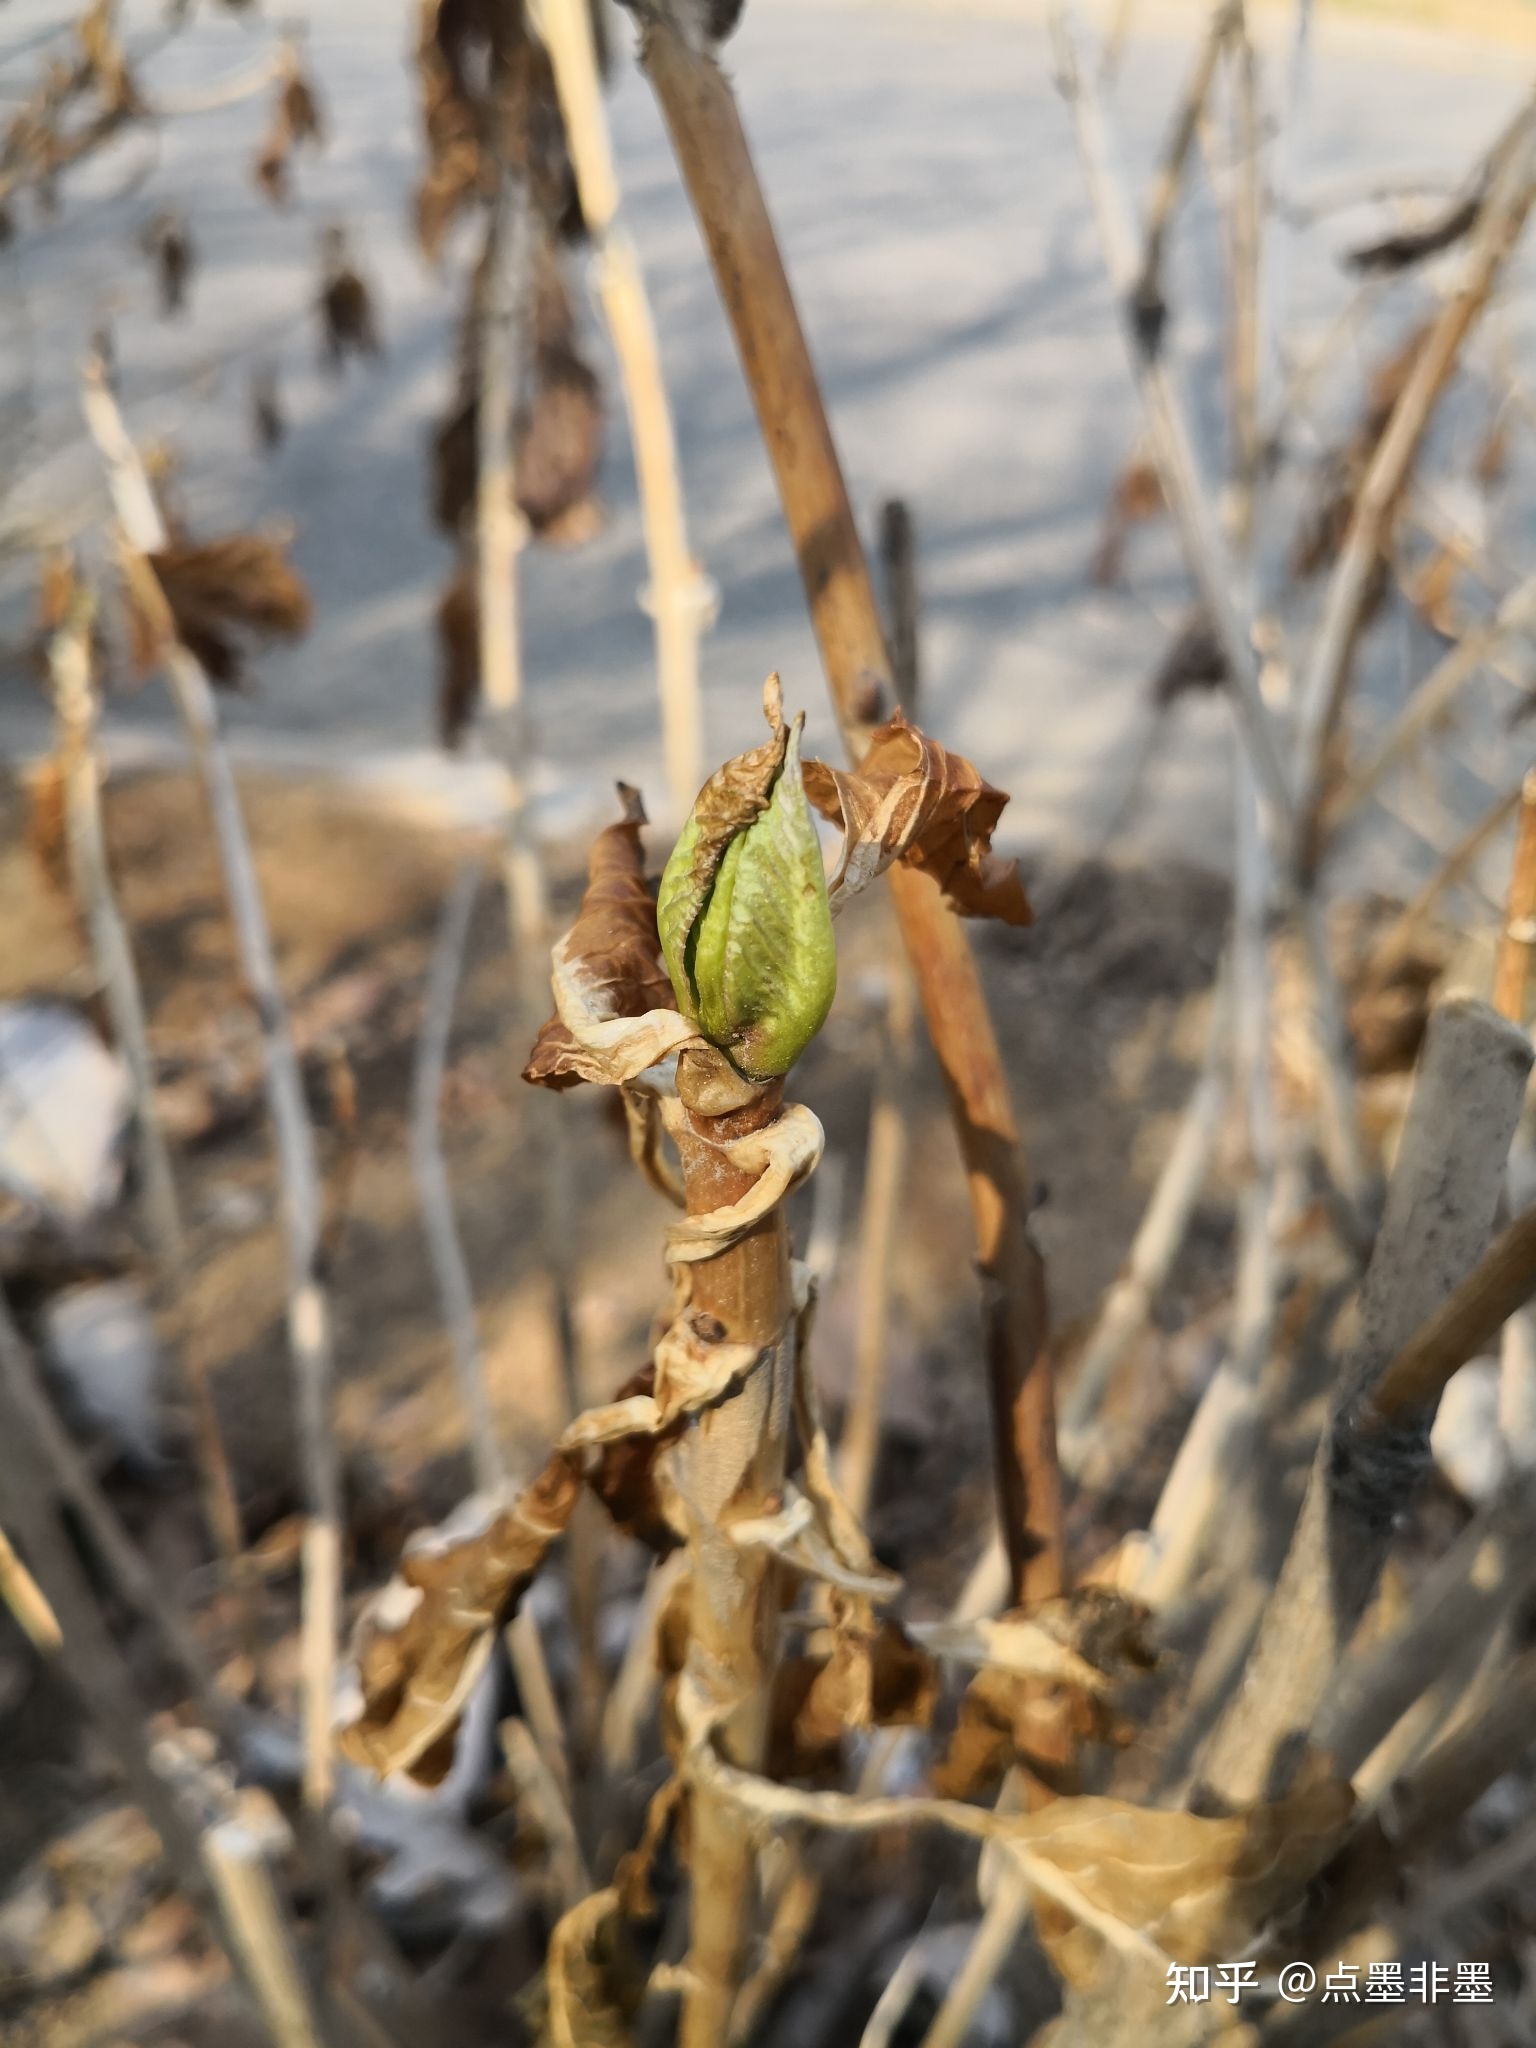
x: 627, y: 1480
x: 348, y: 323
x: 609, y: 964
x: 1091, y: 1643
x: 47, y: 826
x: 215, y: 592
x: 422, y: 1643
x: 301, y: 110
x: 875, y: 1677
x: 458, y: 655
x: 911, y: 799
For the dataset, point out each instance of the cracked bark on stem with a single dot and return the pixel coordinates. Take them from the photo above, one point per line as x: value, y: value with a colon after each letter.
x: 308, y: 1318
x: 1440, y: 1207
x: 729, y: 1467
x: 680, y: 599
x: 1325, y: 685
x: 711, y: 148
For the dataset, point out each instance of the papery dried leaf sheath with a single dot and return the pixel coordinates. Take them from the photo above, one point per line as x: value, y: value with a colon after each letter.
x: 423, y: 1643
x: 911, y: 799
x: 611, y: 957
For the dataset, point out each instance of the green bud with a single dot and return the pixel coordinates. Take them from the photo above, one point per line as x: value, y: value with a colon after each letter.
x: 746, y: 930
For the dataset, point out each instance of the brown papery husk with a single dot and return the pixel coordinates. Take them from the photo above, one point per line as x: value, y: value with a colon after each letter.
x: 613, y: 946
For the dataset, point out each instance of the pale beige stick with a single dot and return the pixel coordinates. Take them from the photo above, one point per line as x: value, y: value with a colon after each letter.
x: 500, y: 534
x: 1440, y: 1207
x: 1211, y: 566
x: 1219, y: 1438
x: 76, y: 707
x: 309, y: 1317
x: 680, y: 599
x: 549, y: 1805
x: 1517, y: 1364
x: 1168, y: 429
x: 1147, y: 293
x: 1432, y: 699
x: 1127, y: 1306
x: 635, y: 1685
x: 885, y: 1171
x: 1519, y: 934
x: 1466, y: 1593
x: 1326, y: 680
x: 1387, y: 950
x: 24, y: 1597
x: 257, y: 1930
x: 434, y: 1193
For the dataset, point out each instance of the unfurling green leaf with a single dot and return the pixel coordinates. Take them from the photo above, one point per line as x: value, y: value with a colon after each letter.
x: 745, y: 925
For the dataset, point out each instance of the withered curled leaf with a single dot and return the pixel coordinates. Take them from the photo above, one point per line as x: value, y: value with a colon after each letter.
x: 1091, y: 1643
x: 870, y: 1679
x: 422, y: 1643
x: 911, y: 799
x: 594, y: 1983
x: 611, y: 957
x: 626, y: 1476
x: 216, y: 591
x: 1196, y: 1888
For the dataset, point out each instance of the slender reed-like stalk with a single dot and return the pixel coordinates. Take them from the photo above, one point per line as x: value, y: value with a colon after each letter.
x: 75, y: 707
x: 1518, y: 938
x: 1390, y: 946
x: 680, y: 599
x: 309, y: 1315
x: 1431, y: 700
x: 1440, y: 1208
x: 434, y: 1192
x: 1326, y: 681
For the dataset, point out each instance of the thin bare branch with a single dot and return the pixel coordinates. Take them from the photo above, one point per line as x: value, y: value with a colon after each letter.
x: 681, y: 599
x: 309, y: 1317
x: 1440, y: 1208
